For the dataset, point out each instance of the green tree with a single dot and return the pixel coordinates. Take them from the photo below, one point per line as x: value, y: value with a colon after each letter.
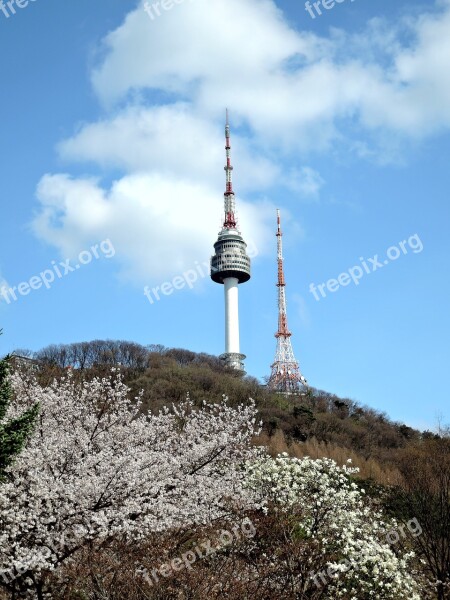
x: 13, y: 432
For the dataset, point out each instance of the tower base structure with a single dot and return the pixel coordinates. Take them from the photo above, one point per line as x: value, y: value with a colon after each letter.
x: 234, y: 361
x: 286, y: 377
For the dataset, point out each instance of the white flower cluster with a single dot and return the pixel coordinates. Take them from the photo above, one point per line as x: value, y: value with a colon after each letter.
x: 96, y: 467
x: 334, y: 516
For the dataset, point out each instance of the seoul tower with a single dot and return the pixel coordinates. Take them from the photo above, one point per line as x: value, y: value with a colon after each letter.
x: 286, y: 377
x: 230, y: 266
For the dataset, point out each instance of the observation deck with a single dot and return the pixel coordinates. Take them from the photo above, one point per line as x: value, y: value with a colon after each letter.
x: 230, y: 258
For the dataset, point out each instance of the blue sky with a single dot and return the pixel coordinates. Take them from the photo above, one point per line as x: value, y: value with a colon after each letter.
x: 112, y: 129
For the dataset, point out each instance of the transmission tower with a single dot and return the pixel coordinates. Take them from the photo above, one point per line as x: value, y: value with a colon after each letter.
x: 285, y: 377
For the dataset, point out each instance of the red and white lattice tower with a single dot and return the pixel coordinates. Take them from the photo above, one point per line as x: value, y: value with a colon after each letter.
x: 285, y: 377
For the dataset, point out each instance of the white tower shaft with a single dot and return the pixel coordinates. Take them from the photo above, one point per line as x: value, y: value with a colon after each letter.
x: 231, y: 315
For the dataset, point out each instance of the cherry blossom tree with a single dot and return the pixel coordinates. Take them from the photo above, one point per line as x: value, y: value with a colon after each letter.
x: 96, y: 468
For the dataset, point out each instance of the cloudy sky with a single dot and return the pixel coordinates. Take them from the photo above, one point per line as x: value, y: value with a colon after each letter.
x: 112, y: 180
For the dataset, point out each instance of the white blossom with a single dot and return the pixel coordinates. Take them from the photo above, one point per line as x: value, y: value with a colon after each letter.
x: 335, y: 514
x: 96, y: 467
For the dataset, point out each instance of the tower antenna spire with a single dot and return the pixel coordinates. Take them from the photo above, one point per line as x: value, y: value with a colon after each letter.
x: 229, y: 199
x: 285, y: 377
x: 230, y: 265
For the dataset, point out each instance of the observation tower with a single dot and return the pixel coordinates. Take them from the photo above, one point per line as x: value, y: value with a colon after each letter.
x: 230, y: 266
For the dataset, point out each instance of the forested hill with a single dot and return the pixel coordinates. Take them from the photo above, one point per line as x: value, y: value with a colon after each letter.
x: 318, y: 424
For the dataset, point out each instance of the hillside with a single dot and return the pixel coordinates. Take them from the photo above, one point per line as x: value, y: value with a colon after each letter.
x: 319, y: 424
x: 404, y: 474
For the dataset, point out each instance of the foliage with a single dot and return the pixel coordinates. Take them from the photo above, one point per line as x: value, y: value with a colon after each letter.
x: 425, y: 494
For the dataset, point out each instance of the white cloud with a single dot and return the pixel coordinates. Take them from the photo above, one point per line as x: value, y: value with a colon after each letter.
x: 302, y: 311
x: 305, y: 181
x: 288, y: 85
x: 169, y: 140
x: 157, y: 226
x: 3, y: 284
x: 289, y: 92
x: 230, y: 42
